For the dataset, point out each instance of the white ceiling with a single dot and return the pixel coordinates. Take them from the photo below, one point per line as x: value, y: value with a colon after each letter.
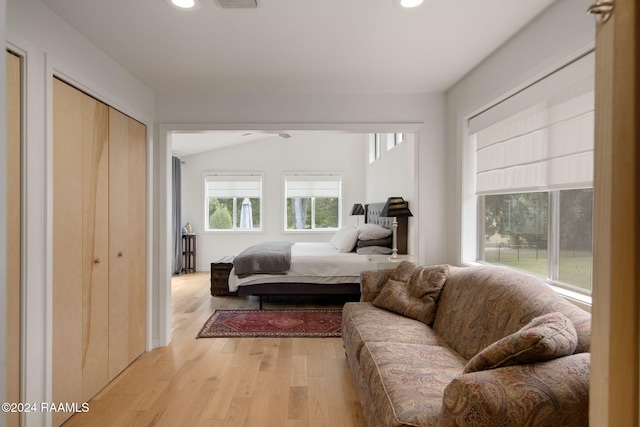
x: 295, y: 46
x: 299, y: 46
x: 188, y: 143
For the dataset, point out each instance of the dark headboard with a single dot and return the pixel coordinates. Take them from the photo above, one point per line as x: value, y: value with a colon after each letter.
x: 372, y: 215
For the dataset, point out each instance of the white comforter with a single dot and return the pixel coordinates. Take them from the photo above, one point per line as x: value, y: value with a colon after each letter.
x: 313, y: 262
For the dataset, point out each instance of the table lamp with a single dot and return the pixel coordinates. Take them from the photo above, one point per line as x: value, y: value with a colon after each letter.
x: 357, y: 210
x: 395, y: 207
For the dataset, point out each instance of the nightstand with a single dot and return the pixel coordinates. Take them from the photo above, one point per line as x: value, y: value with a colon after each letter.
x: 220, y: 270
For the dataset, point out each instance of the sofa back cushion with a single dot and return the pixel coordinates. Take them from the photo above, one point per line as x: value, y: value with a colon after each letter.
x: 481, y: 305
x: 413, y: 291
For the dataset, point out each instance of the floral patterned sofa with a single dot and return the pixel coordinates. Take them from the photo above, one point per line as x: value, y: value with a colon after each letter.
x: 475, y: 346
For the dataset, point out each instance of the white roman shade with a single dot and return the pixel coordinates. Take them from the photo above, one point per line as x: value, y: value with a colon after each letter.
x: 541, y: 138
x: 313, y: 186
x: 229, y: 186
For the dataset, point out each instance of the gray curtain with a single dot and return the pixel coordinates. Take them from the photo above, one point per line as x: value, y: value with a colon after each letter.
x: 176, y: 181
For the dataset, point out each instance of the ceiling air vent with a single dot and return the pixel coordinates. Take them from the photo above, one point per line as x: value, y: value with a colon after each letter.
x: 237, y: 4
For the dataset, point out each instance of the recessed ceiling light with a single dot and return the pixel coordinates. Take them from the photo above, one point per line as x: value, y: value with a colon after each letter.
x: 410, y: 3
x: 184, y: 4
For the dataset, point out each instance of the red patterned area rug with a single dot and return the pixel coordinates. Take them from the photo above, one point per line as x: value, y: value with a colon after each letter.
x: 308, y: 323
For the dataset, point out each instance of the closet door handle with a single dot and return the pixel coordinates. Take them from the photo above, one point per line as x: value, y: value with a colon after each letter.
x: 96, y: 261
x: 120, y: 254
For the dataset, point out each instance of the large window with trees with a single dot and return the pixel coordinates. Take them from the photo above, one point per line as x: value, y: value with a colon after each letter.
x: 534, y: 178
x: 548, y: 234
x: 233, y: 202
x: 312, y: 202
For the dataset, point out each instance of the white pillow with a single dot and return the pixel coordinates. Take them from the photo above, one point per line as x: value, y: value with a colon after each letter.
x: 373, y: 232
x: 345, y: 239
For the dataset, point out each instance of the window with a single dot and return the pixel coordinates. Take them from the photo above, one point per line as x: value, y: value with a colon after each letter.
x: 374, y: 147
x: 394, y: 139
x: 548, y: 234
x: 313, y: 202
x: 534, y: 178
x: 233, y: 202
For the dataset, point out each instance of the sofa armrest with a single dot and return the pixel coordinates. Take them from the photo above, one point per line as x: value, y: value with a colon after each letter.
x: 552, y: 393
x: 371, y: 282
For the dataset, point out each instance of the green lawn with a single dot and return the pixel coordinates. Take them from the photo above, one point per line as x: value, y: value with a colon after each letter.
x: 575, y: 266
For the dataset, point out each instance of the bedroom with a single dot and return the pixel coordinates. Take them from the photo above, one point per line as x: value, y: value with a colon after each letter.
x: 51, y: 44
x: 343, y: 154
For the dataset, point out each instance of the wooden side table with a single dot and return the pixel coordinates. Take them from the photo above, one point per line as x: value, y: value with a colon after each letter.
x: 188, y: 253
x: 220, y: 270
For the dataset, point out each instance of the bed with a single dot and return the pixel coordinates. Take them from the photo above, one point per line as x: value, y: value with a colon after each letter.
x: 320, y: 268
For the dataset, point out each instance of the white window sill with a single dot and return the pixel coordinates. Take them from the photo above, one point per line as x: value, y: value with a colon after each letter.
x: 581, y: 300
x: 234, y: 231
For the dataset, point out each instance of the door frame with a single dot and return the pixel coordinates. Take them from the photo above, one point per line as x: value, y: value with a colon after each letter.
x: 615, y: 367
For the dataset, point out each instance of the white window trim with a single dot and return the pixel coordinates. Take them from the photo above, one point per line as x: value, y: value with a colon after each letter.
x: 395, y: 139
x: 284, y: 203
x: 375, y: 151
x: 205, y: 211
x: 391, y: 141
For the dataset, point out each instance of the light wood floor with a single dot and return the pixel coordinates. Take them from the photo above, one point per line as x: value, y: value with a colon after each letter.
x: 229, y: 381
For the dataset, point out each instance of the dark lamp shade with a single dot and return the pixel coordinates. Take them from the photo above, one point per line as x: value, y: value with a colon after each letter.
x: 396, y: 207
x: 357, y: 209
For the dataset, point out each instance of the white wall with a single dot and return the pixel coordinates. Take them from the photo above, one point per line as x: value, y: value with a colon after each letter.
x: 49, y: 46
x: 72, y: 55
x: 394, y: 174
x: 308, y: 151
x: 561, y: 33
x: 422, y: 114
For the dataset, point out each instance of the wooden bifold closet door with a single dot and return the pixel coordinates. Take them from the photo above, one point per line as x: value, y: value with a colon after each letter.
x: 99, y: 244
x: 127, y: 241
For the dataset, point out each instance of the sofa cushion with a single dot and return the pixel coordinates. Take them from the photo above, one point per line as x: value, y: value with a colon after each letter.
x: 546, y: 337
x: 551, y: 393
x: 481, y: 305
x: 404, y: 271
x: 413, y: 291
x: 362, y: 322
x: 406, y: 382
x: 371, y: 282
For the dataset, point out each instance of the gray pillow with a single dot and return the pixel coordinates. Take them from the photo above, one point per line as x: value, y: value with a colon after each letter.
x: 375, y: 242
x: 373, y: 231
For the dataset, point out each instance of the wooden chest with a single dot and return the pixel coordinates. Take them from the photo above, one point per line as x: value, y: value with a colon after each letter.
x: 220, y: 270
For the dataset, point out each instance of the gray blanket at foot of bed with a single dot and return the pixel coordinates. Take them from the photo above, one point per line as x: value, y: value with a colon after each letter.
x: 264, y: 258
